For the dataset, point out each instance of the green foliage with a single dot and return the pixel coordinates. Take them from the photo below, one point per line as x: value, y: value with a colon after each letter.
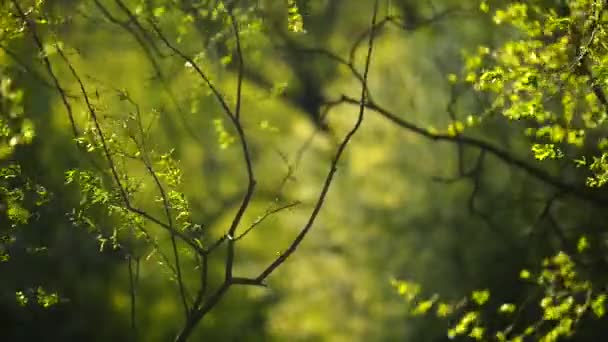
x: 18, y: 195
x: 565, y: 299
x: 295, y: 22
x: 15, y: 130
x: 38, y: 296
x: 549, y: 77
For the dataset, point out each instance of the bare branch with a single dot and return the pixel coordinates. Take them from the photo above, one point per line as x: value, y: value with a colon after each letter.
x: 328, y: 180
x: 239, y: 53
x: 218, y: 95
x: 166, y: 206
x: 398, y: 22
x: 267, y: 214
x: 246, y: 155
x: 28, y: 69
x: 32, y: 28
x: 133, y: 19
x: 506, y: 157
x: 144, y: 40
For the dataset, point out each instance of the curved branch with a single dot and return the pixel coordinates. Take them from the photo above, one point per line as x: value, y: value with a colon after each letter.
x: 328, y: 180
x: 504, y: 156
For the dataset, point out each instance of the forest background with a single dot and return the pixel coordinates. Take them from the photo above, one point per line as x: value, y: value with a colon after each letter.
x: 319, y: 170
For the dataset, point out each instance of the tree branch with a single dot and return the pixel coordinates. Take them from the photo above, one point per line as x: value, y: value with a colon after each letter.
x: 341, y: 148
x: 506, y: 157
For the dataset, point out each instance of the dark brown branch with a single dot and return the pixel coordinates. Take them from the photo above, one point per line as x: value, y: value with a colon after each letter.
x: 166, y: 206
x: 165, y: 226
x: 506, y: 157
x: 247, y: 281
x: 239, y: 53
x: 108, y: 155
x: 193, y: 64
x: 145, y: 42
x: 266, y: 215
x: 156, y: 249
x: 333, y: 57
x: 29, y: 70
x: 140, y: 41
x: 198, y: 314
x: 251, y: 182
x: 397, y: 21
x: 328, y: 180
x: 204, y: 265
x: 133, y: 19
x: 95, y: 120
x: 105, y: 148
x: 365, y: 34
x: 240, y: 132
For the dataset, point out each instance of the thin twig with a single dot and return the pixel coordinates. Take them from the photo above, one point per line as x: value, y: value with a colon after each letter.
x: 218, y: 95
x: 166, y: 206
x: 251, y: 182
x: 262, y: 218
x: 328, y: 180
x: 239, y: 53
x: 27, y: 69
x: 133, y: 19
x: 506, y: 157
x: 143, y: 42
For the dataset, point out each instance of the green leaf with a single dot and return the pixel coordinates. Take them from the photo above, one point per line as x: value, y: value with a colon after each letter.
x: 407, y: 289
x: 480, y: 297
x: 45, y: 299
x: 444, y: 310
x: 423, y: 307
x: 507, y: 308
x: 583, y: 244
x: 477, y: 333
x: 598, y: 305
x: 21, y: 298
x: 226, y: 60
x: 484, y: 7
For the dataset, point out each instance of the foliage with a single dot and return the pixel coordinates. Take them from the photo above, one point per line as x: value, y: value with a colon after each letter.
x: 19, y: 196
x: 561, y: 298
x: 550, y: 78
